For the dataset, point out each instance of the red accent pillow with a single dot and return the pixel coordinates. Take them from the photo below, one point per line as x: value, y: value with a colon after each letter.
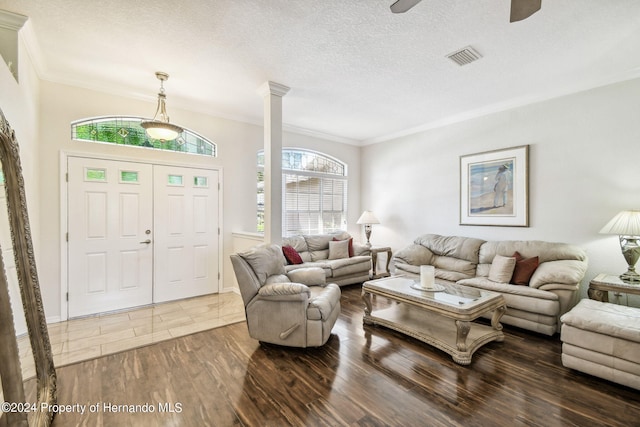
x: 350, y: 245
x: 524, y: 269
x: 292, y: 256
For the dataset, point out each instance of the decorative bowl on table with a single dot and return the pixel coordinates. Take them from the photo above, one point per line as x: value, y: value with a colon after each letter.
x: 434, y: 288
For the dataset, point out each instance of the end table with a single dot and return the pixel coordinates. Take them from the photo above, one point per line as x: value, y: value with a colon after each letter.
x: 600, y: 286
x: 374, y: 262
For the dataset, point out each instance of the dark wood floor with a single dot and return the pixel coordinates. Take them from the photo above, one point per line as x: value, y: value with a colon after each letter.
x: 364, y: 376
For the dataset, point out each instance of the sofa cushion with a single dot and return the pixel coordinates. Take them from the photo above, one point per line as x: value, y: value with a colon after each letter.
x: 414, y: 255
x: 348, y: 266
x: 265, y: 260
x: 338, y: 249
x: 292, y: 256
x: 502, y: 269
x: 466, y: 248
x: 450, y: 268
x: 524, y: 269
x: 318, y: 242
x: 520, y: 297
x: 546, y: 251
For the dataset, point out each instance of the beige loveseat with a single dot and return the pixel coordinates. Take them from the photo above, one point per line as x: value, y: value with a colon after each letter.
x: 551, y: 290
x: 330, y: 252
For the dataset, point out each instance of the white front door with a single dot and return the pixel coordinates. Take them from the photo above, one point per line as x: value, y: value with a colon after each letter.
x: 186, y: 232
x: 110, y: 216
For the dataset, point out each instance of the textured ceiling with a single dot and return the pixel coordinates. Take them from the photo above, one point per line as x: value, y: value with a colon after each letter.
x: 357, y: 72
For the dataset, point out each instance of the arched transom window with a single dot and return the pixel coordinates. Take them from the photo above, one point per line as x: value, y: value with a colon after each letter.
x: 123, y: 130
x: 314, y: 192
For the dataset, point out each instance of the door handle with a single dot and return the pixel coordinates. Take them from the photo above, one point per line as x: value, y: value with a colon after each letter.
x: 146, y: 242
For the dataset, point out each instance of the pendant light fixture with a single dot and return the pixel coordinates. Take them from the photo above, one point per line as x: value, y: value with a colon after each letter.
x: 160, y: 128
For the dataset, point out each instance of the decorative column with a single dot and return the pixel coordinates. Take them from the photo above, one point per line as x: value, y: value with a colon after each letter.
x: 272, y: 94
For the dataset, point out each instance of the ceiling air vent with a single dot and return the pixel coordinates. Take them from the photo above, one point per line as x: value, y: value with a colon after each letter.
x: 464, y: 56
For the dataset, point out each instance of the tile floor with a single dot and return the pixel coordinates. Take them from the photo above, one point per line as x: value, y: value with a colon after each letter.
x: 85, y: 338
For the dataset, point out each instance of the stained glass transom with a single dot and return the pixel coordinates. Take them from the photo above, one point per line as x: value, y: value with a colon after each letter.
x: 127, y: 131
x: 308, y: 161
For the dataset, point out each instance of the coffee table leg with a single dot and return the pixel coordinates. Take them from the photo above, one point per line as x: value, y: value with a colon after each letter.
x: 461, y: 337
x: 366, y: 297
x: 497, y: 315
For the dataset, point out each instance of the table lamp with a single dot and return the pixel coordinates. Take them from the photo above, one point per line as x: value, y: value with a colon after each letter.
x: 367, y: 218
x: 626, y: 225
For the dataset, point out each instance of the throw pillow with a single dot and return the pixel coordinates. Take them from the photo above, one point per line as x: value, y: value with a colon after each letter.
x: 502, y: 269
x: 350, y: 245
x: 338, y: 249
x: 524, y: 269
x: 292, y: 256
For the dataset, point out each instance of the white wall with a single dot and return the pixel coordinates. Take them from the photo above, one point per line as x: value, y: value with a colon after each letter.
x: 584, y: 152
x: 237, y: 142
x: 19, y: 103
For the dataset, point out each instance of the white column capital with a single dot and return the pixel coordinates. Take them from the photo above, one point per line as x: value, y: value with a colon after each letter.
x: 273, y: 88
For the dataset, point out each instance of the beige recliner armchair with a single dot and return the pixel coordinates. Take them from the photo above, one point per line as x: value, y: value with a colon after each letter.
x: 297, y: 309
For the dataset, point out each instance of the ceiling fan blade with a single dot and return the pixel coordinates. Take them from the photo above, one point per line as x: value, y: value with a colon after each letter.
x: 522, y: 9
x: 401, y: 6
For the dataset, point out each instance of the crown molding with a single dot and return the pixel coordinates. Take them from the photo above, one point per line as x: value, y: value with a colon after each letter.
x: 12, y: 21
x: 507, y: 105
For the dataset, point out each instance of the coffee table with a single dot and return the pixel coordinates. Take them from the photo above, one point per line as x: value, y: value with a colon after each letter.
x: 441, y: 319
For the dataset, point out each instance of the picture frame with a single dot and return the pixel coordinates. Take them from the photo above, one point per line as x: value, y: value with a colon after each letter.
x: 494, y: 188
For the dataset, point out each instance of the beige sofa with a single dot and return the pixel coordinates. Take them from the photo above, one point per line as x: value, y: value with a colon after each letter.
x: 327, y: 252
x: 603, y: 340
x: 551, y: 291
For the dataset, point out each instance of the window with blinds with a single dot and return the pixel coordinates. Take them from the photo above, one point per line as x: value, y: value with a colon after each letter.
x: 314, y: 193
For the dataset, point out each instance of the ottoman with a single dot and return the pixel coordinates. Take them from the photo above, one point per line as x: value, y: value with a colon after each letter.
x: 603, y: 340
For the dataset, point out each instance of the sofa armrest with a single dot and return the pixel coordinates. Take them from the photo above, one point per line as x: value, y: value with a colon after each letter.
x: 284, y: 292
x: 414, y: 255
x: 310, y: 276
x: 560, y: 272
x: 560, y: 286
x: 360, y: 249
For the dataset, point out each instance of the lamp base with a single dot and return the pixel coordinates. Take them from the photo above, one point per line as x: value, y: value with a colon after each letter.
x: 367, y: 232
x: 631, y: 252
x: 630, y: 277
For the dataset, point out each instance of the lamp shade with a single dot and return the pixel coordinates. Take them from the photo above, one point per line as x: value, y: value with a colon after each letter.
x: 367, y: 217
x: 162, y: 131
x: 626, y: 223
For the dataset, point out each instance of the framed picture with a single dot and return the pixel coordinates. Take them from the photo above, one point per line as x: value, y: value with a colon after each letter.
x: 494, y: 188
